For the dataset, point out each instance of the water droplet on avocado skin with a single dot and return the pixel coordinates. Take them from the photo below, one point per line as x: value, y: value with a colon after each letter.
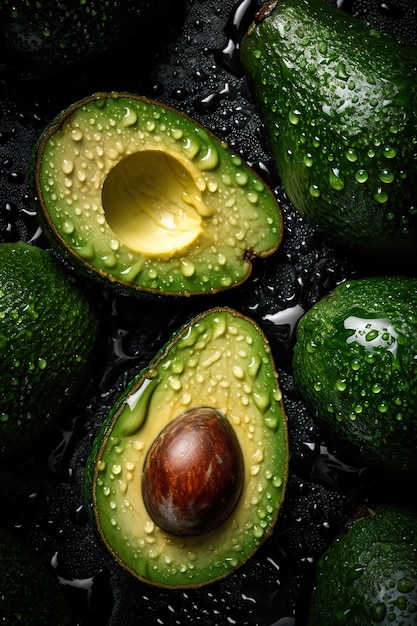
x: 386, y: 149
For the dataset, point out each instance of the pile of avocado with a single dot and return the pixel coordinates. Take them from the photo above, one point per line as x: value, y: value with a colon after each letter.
x: 186, y: 474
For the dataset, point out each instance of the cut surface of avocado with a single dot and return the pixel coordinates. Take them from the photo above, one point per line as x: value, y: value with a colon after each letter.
x: 139, y: 193
x: 219, y: 360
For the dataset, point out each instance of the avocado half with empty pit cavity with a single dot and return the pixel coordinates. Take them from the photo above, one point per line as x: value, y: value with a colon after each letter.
x: 138, y: 193
x: 188, y: 472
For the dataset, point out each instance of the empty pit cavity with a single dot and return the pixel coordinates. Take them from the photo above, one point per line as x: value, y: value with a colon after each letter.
x: 153, y: 203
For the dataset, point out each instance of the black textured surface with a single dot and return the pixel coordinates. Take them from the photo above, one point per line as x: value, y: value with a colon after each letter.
x: 189, y: 61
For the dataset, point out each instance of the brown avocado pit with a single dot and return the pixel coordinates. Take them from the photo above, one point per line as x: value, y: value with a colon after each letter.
x: 193, y: 473
x: 165, y: 483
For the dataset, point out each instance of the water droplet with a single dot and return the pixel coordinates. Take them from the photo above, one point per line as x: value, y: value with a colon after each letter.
x: 404, y: 585
x: 389, y: 152
x: 314, y: 191
x: 294, y: 117
x: 76, y: 134
x: 386, y: 175
x: 341, y: 384
x: 149, y: 527
x: 361, y: 176
x: 252, y: 197
x: 258, y: 532
x: 175, y: 382
x: 67, y: 166
x: 351, y: 155
x: 341, y: 71
x: 238, y: 372
x: 187, y: 268
x: 336, y: 180
x: 68, y: 226
x: 380, y: 195
x: 241, y: 178
x: 308, y: 160
x: 378, y: 612
x: 311, y: 347
x: 130, y: 117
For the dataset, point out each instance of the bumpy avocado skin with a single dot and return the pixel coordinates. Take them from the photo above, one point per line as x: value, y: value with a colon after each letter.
x: 30, y: 594
x: 368, y: 575
x: 338, y: 99
x: 219, y: 359
x: 49, y: 330
x: 354, y: 363
x: 141, y: 197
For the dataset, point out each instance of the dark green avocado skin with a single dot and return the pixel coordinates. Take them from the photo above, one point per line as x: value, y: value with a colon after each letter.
x: 50, y: 36
x: 368, y: 575
x: 339, y: 100
x: 355, y: 365
x: 30, y: 594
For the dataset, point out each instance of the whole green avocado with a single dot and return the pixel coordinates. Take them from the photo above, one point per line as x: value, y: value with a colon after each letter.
x: 44, y: 36
x: 338, y: 99
x: 368, y: 575
x: 49, y: 331
x: 355, y: 365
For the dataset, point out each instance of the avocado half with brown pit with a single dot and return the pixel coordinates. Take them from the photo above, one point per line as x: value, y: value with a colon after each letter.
x: 188, y: 472
x: 138, y: 193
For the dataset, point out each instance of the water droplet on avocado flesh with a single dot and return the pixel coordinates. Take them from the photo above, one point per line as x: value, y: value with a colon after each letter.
x: 137, y: 193
x: 221, y: 361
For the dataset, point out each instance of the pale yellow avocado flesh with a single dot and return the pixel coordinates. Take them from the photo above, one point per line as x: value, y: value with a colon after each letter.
x: 220, y: 360
x: 153, y: 202
x: 139, y: 193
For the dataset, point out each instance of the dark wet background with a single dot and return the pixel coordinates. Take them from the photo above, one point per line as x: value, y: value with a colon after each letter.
x: 188, y: 59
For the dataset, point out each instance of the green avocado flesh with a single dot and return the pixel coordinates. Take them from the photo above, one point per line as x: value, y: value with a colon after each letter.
x: 220, y: 360
x: 140, y: 194
x: 368, y: 575
x: 355, y: 365
x: 339, y: 102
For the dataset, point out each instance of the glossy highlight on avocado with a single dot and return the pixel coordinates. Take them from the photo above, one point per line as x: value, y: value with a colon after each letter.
x: 368, y: 574
x: 355, y: 365
x: 138, y: 194
x: 339, y: 102
x: 220, y: 362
